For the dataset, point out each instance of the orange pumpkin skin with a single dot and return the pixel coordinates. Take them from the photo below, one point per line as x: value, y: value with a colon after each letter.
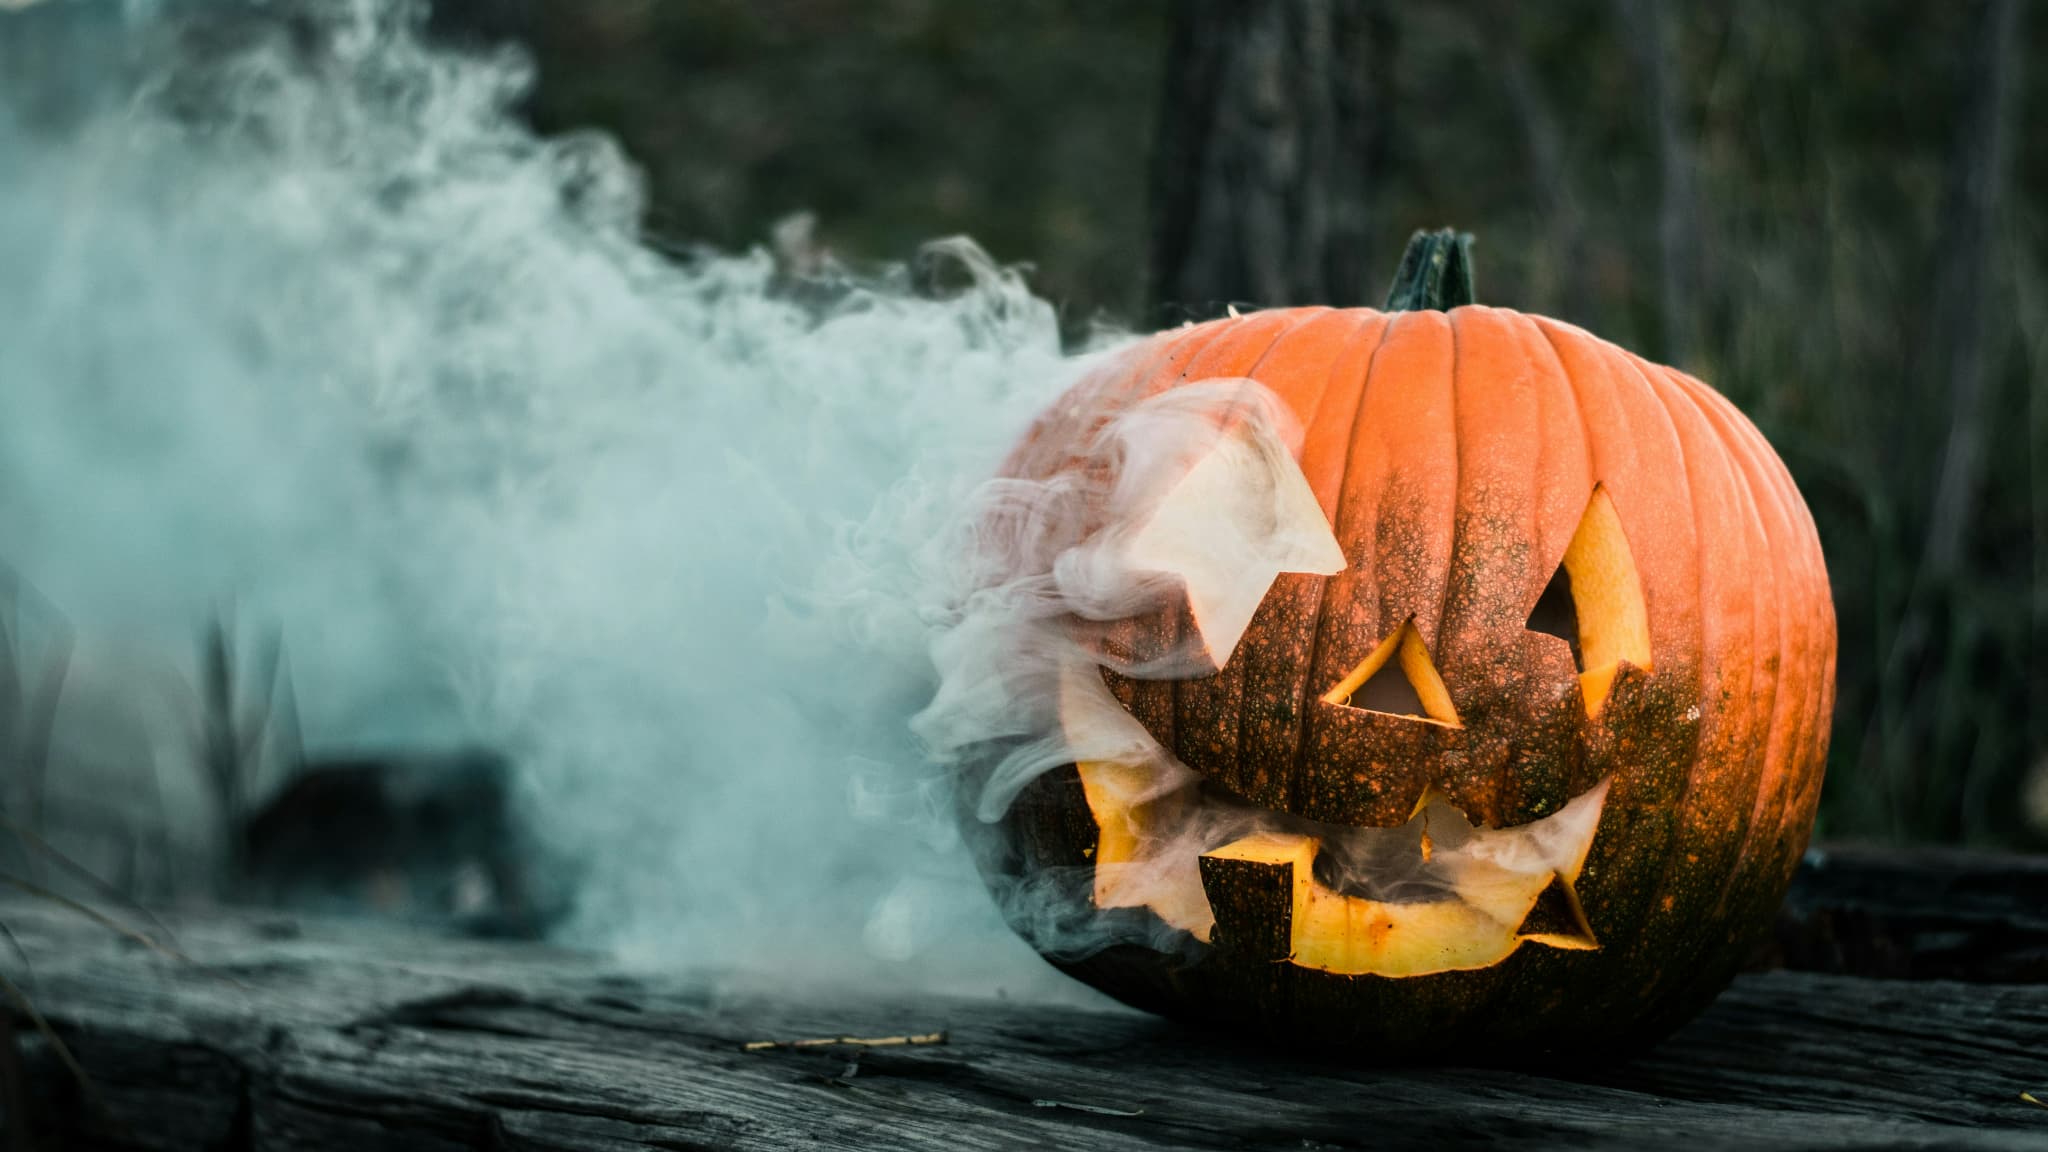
x: 1455, y: 454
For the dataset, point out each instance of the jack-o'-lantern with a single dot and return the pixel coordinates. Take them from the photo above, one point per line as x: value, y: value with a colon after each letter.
x: 1503, y: 742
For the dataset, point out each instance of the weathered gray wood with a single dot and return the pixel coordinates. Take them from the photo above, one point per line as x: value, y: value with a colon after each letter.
x: 1918, y: 914
x: 319, y: 1035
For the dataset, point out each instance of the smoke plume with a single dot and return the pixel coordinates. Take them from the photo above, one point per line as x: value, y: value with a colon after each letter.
x: 299, y: 317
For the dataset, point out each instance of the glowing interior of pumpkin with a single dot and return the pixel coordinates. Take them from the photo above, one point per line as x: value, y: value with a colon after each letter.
x: 1472, y: 895
x: 1452, y: 896
x: 1432, y: 895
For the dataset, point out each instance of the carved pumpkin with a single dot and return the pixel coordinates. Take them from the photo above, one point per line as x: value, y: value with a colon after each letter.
x: 1510, y: 749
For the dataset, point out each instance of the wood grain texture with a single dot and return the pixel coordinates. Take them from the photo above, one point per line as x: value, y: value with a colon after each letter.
x: 1920, y: 914
x: 315, y: 1035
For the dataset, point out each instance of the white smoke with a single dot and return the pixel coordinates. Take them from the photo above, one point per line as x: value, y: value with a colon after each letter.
x: 317, y: 327
x: 1139, y: 533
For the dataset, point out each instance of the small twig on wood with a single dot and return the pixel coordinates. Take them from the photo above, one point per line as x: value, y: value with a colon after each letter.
x: 1093, y: 1109
x: 848, y: 1041
x: 2036, y: 1101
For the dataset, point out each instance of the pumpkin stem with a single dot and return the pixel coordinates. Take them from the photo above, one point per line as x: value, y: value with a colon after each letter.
x: 1435, y: 273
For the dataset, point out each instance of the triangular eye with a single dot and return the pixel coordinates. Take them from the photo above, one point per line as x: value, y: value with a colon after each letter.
x: 1404, y: 686
x: 1594, y: 601
x: 1226, y: 526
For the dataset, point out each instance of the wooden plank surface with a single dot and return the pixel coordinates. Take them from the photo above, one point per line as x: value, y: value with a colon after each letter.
x: 284, y: 1033
x: 1917, y: 914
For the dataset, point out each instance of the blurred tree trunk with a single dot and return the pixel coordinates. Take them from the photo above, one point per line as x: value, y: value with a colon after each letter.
x: 1653, y: 44
x: 1498, y: 33
x: 1272, y: 130
x: 1976, y: 181
x: 1924, y: 670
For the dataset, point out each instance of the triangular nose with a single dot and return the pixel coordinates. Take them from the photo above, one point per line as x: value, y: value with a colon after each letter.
x: 1228, y: 526
x: 1398, y: 679
x: 1388, y: 690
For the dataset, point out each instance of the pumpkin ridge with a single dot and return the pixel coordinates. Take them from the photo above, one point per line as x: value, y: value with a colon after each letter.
x: 1244, y: 655
x: 1241, y: 345
x: 1594, y: 480
x: 1678, y: 912
x: 1154, y: 697
x: 1296, y: 778
x: 1312, y: 365
x: 1498, y: 425
x: 1578, y: 405
x: 1510, y: 781
x: 1793, y: 649
x: 1298, y: 761
x: 1769, y: 794
x: 1436, y: 628
x: 1818, y: 597
x: 1625, y: 378
x: 1781, y: 819
x: 1158, y: 698
x: 1544, y: 463
x: 1683, y: 475
x: 1308, y: 418
x: 1776, y: 839
x: 1534, y: 337
x: 1624, y: 425
x: 1641, y: 905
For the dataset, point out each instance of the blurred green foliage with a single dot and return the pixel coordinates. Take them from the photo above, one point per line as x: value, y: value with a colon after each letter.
x: 894, y: 121
x: 1824, y: 136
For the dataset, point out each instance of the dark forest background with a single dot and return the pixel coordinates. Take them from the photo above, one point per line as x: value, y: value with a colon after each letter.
x: 1828, y: 210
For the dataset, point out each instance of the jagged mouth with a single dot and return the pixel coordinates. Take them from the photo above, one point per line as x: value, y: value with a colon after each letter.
x: 1434, y: 894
